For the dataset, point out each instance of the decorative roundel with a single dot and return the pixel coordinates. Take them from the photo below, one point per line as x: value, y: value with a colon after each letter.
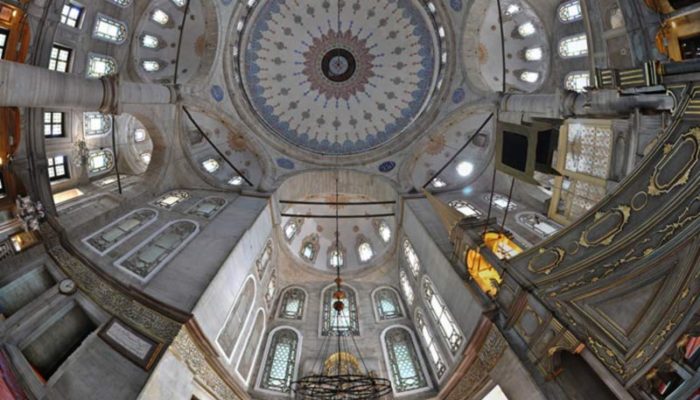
x: 339, y: 77
x: 217, y: 93
x: 67, y: 286
x: 387, y: 166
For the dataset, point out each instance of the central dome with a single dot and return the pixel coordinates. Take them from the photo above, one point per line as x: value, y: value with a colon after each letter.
x: 334, y: 77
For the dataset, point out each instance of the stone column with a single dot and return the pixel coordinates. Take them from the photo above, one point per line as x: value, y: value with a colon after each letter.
x: 24, y: 85
x: 596, y: 103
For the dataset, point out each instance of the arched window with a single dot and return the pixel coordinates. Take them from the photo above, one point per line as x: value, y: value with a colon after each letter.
x: 537, y: 223
x: 171, y: 199
x: 139, y: 135
x: 160, y: 17
x: 109, y: 29
x: 211, y: 165
x: 207, y: 207
x: 120, y: 230
x: 500, y: 201
x: 100, y: 161
x: 529, y: 76
x: 236, y: 180
x: 512, y: 9
x: 281, y: 356
x: 533, y: 54
x: 345, y: 323
x: 577, y: 81
x: 309, y: 248
x: 251, y: 347
x: 121, y: 3
x: 406, y: 287
x: 426, y: 333
x: 100, y: 65
x: 403, y: 361
x: 573, y: 46
x: 149, y: 41
x: 96, y: 124
x: 292, y: 304
x: 150, y: 65
x: 264, y: 259
x: 570, y: 11
x: 383, y: 230
x: 336, y: 256
x: 526, y: 29
x: 465, y: 208
x: 271, y: 289
x: 442, y: 316
x: 145, y: 158
x: 292, y: 227
x: 230, y: 333
x: 411, y: 258
x: 364, y: 249
x: 438, y: 183
x: 179, y: 3
x: 146, y: 259
x: 387, y: 304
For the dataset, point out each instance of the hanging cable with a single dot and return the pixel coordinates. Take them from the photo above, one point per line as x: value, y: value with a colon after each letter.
x: 510, y: 194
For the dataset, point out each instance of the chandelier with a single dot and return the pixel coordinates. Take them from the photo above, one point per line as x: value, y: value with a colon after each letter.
x: 342, y: 376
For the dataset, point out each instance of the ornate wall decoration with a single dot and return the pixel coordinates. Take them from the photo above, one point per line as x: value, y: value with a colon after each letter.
x: 301, y: 60
x: 546, y: 260
x: 605, y: 226
x: 679, y: 160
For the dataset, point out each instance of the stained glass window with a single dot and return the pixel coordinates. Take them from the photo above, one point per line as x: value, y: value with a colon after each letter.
x: 53, y: 124
x: 438, y: 183
x: 60, y: 58
x: 250, y: 349
x: 290, y: 230
x: 231, y: 331
x: 235, y: 181
x: 336, y: 257
x: 403, y: 362
x: 442, y: 316
x: 121, y: 3
x: 171, y: 199
x: 100, y: 161
x: 292, y: 304
x: 500, y: 201
x: 386, y: 302
x: 406, y: 287
x: 465, y: 208
x: 264, y: 259
x: 207, y: 207
x: 512, y: 9
x: 577, y: 81
x: 150, y: 65
x: 149, y: 41
x: 364, y: 250
x: 118, y: 231
x: 96, y: 124
x: 529, y: 76
x: 309, y: 248
x: 71, y: 14
x: 280, y: 366
x: 99, y: 66
x: 271, y: 289
x: 146, y: 259
x: 573, y: 46
x: 179, y: 3
x: 431, y: 346
x: 570, y: 11
x: 146, y: 158
x: 533, y: 54
x: 109, y: 29
x: 539, y: 224
x: 211, y: 165
x: 411, y: 258
x: 139, y: 135
x: 344, y: 323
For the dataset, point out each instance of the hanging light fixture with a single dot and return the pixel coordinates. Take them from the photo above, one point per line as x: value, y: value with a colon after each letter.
x: 343, y: 375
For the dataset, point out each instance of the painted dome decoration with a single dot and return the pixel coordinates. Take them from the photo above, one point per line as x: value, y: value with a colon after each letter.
x: 339, y: 78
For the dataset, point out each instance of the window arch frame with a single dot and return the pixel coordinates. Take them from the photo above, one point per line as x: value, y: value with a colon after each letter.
x: 106, y: 119
x: 266, y: 354
x: 453, y: 350
x: 282, y: 304
x: 438, y: 349
x: 417, y: 270
x: 271, y: 289
x: 571, y: 76
x: 109, y: 20
x: 568, y: 20
x: 400, y: 306
x: 229, y: 313
x: 246, y: 379
x: 193, y: 210
x: 419, y: 356
x: 405, y: 282
x: 361, y: 241
x: 87, y: 238
x: 571, y: 39
x: 163, y: 262
x: 103, y: 58
x: 322, y: 314
x: 109, y: 160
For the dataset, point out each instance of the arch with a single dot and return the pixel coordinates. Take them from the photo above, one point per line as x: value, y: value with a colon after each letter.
x: 296, y: 311
x: 400, y: 312
x: 249, y: 355
x: 293, y: 350
x: 406, y: 287
x: 109, y: 29
x: 271, y: 289
x: 431, y: 346
x: 208, y: 207
x: 570, y: 11
x: 230, y: 333
x: 100, y: 162
x: 442, y: 316
x: 144, y: 261
x: 411, y: 257
x: 397, y: 348
x: 573, y: 46
x: 96, y: 124
x: 109, y: 237
x: 364, y: 249
x: 350, y: 312
x: 100, y: 65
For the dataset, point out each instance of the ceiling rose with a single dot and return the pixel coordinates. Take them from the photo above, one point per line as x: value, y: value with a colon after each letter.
x: 335, y: 77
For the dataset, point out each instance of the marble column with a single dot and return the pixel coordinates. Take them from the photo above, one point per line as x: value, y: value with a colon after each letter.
x: 24, y: 85
x: 596, y: 103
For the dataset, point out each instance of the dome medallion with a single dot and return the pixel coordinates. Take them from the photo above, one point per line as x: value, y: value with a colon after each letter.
x: 338, y: 78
